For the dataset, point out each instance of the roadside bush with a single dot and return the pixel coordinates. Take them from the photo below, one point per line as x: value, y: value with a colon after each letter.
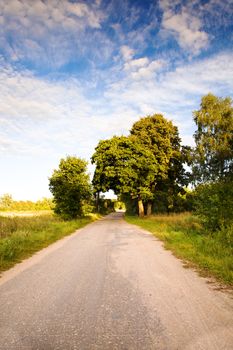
x: 170, y: 201
x: 214, y: 205
x: 71, y: 188
x: 225, y: 236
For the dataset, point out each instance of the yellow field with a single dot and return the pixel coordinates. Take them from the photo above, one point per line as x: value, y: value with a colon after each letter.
x: 25, y: 213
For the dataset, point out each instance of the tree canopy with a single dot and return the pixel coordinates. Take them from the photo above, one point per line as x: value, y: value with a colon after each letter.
x: 134, y: 165
x: 213, y: 161
x: 213, y: 157
x: 70, y: 186
x: 160, y: 136
x: 125, y: 166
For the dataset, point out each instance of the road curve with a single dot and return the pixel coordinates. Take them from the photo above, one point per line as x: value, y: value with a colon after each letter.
x: 111, y: 286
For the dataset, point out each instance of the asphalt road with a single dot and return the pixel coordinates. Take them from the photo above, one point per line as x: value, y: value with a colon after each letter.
x: 111, y: 286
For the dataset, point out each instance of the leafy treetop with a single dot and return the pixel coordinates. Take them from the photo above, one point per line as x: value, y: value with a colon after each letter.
x: 70, y: 186
x: 214, y: 138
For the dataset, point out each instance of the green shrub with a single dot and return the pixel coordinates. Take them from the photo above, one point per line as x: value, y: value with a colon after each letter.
x: 214, y: 204
x: 71, y: 188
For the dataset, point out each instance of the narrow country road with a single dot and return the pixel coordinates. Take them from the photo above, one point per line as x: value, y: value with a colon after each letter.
x: 111, y: 286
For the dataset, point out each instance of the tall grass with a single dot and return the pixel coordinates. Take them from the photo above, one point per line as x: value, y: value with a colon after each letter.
x: 185, y: 236
x: 20, y: 237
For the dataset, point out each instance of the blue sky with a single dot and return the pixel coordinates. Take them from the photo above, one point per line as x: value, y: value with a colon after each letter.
x: 75, y: 72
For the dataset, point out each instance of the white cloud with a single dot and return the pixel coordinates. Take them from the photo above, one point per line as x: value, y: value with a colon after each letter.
x: 148, y: 71
x: 136, y: 63
x: 57, y: 29
x: 195, y: 24
x: 55, y: 115
x: 140, y: 68
x: 53, y: 12
x: 176, y: 93
x: 127, y: 52
x: 190, y: 79
x: 186, y: 29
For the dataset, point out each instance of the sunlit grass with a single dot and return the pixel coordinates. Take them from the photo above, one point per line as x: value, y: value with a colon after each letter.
x: 185, y: 236
x: 20, y: 237
x: 20, y: 213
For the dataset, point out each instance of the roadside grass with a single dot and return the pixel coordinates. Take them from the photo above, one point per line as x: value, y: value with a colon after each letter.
x: 183, y: 234
x: 20, y: 237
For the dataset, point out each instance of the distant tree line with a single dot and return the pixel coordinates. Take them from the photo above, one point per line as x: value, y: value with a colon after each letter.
x: 150, y: 171
x: 7, y: 203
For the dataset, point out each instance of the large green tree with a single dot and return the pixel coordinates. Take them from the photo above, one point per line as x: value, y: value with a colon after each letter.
x: 161, y: 137
x: 70, y: 186
x: 127, y: 167
x: 136, y: 165
x: 213, y: 156
x: 213, y: 161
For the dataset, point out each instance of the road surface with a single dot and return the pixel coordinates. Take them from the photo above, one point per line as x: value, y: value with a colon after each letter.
x: 111, y: 286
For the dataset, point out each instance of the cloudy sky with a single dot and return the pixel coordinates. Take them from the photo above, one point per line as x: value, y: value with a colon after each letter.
x: 74, y: 72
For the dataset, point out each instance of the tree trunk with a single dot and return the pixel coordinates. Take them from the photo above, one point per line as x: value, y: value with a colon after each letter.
x: 97, y: 201
x: 149, y: 209
x: 140, y: 208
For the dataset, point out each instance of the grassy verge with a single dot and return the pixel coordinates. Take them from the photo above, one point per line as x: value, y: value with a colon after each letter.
x: 184, y: 236
x: 20, y: 237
